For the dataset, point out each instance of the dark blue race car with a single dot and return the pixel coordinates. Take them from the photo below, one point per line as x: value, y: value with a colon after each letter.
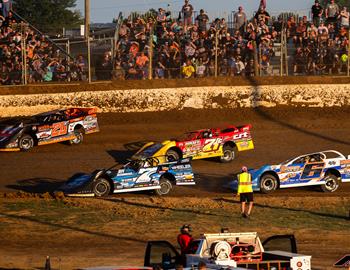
x: 137, y: 175
x: 326, y: 169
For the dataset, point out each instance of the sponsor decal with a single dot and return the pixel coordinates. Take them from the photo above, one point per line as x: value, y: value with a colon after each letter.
x: 42, y: 128
x: 242, y: 135
x: 345, y: 162
x: 286, y: 169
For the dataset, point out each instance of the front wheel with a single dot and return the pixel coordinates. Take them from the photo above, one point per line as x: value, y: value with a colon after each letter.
x: 331, y: 183
x: 268, y: 183
x: 165, y: 187
x: 172, y: 155
x: 79, y: 137
x: 228, y: 154
x: 26, y: 142
x: 101, y: 187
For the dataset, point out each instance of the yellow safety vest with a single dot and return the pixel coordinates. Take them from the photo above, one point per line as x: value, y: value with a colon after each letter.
x: 244, y: 183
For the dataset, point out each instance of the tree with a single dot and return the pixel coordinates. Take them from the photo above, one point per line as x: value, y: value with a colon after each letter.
x: 344, y: 3
x: 49, y: 16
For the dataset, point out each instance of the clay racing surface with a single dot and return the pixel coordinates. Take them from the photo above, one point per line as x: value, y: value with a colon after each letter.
x: 279, y: 134
x: 90, y: 232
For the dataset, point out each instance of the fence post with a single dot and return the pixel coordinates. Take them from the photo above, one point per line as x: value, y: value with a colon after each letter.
x: 89, y: 59
x: 25, y: 60
x: 255, y: 54
x: 150, y: 55
x: 216, y: 52
x: 282, y: 53
x: 286, y: 52
x: 260, y: 59
x: 348, y: 68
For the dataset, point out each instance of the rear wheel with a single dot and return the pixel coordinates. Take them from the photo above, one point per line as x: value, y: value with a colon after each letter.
x: 268, y: 183
x: 228, y: 154
x: 165, y: 187
x: 101, y: 187
x: 79, y: 137
x: 331, y: 183
x: 26, y: 142
x: 172, y: 155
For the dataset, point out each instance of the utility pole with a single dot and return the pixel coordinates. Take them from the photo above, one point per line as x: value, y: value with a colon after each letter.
x: 87, y: 19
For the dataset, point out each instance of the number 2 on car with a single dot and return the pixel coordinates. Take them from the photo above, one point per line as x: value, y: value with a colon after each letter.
x: 58, y: 129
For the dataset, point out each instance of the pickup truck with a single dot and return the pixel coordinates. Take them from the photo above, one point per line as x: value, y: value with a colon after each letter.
x: 231, y: 251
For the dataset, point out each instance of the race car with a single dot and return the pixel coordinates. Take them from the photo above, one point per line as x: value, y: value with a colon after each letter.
x: 22, y: 134
x: 137, y: 175
x: 205, y: 143
x: 326, y: 169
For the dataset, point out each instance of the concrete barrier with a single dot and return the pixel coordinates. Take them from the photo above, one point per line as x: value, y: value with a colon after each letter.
x: 209, y: 97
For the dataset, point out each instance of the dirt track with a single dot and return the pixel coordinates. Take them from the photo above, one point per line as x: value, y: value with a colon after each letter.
x: 279, y: 133
x: 93, y: 232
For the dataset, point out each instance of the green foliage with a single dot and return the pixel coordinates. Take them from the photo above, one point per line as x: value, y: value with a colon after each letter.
x: 49, y: 16
x: 344, y: 3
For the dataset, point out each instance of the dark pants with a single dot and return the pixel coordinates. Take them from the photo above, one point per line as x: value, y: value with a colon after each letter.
x: 246, y: 197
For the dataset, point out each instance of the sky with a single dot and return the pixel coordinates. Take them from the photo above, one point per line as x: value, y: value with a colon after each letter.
x: 103, y: 11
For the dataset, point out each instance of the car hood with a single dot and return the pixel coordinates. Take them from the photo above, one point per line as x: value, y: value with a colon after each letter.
x: 76, y: 182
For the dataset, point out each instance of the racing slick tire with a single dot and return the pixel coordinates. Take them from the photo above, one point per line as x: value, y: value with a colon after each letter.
x: 26, y: 142
x: 79, y: 137
x: 101, y: 187
x: 268, y: 184
x: 228, y: 155
x: 165, y: 187
x: 172, y: 155
x: 331, y: 185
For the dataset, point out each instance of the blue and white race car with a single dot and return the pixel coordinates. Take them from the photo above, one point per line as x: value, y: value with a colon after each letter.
x: 326, y: 169
x: 137, y: 175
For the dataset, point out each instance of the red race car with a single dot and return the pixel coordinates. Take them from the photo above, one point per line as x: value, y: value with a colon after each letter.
x: 204, y: 143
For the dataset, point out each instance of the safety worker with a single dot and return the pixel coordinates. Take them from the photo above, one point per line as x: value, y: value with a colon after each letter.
x: 245, y: 191
x: 185, y: 240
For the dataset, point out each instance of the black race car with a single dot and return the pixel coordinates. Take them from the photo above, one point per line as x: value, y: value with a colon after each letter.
x: 21, y: 134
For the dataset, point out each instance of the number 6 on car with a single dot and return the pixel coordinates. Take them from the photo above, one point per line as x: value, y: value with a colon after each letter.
x: 326, y: 169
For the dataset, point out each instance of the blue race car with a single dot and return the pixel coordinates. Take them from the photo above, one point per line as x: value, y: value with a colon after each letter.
x: 326, y: 169
x: 137, y: 175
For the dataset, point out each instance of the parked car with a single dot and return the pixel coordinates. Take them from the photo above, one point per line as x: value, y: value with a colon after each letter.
x: 206, y: 143
x: 23, y: 133
x: 137, y: 175
x: 326, y: 169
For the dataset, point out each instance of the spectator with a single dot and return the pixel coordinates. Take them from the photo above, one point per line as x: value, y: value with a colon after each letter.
x: 344, y: 17
x: 240, y: 20
x: 202, y: 20
x: 262, y: 15
x: 332, y: 12
x: 187, y: 12
x: 6, y: 7
x: 188, y: 69
x: 317, y: 12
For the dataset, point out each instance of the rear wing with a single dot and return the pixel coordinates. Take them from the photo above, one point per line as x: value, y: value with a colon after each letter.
x: 231, y: 128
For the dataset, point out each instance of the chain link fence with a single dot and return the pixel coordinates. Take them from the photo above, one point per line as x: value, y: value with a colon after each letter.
x: 145, y: 47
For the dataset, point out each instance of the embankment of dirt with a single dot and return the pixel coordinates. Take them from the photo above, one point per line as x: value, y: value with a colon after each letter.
x: 165, y: 99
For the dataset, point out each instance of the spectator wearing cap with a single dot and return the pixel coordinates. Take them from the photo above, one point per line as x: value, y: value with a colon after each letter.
x: 202, y: 20
x: 185, y: 239
x: 262, y: 15
x: 245, y: 191
x: 317, y: 12
x: 240, y: 20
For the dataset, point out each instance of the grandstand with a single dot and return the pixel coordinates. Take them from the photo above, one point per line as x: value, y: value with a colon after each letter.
x: 161, y: 45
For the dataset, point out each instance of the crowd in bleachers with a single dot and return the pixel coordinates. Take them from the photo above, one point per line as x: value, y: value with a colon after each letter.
x: 185, y: 47
x: 322, y: 44
x: 44, y: 61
